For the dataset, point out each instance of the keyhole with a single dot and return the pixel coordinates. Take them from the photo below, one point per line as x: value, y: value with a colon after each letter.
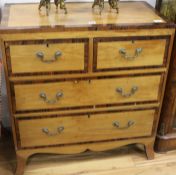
x: 89, y: 81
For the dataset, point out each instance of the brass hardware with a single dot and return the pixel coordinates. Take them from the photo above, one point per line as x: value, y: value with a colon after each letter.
x: 47, y: 5
x: 53, y: 101
x: 117, y: 124
x: 58, y: 131
x: 41, y: 56
x: 112, y: 3
x: 134, y: 89
x: 89, y: 81
x: 57, y: 54
x: 124, y: 54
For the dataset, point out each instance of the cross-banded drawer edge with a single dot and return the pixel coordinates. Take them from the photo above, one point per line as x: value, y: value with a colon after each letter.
x: 46, y: 57
x: 130, y: 52
x: 109, y: 126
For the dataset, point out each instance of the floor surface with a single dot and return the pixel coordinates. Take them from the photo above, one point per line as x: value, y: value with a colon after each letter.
x: 128, y: 160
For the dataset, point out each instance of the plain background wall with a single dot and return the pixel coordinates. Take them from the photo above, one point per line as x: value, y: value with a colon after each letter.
x: 2, y: 2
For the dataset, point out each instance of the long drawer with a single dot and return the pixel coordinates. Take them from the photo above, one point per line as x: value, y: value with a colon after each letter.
x: 76, y: 129
x: 122, y: 53
x: 52, y: 95
x: 42, y: 57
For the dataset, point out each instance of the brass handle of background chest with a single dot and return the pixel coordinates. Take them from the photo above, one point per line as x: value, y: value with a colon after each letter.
x: 44, y: 97
x: 133, y: 90
x: 117, y: 125
x: 124, y: 54
x: 59, y: 130
x: 41, y: 56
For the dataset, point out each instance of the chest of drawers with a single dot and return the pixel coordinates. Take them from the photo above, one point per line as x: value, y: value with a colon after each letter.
x: 82, y: 81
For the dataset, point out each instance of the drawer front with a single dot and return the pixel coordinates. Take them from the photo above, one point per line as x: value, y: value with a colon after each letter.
x: 92, y: 92
x: 76, y: 129
x: 41, y: 57
x: 114, y: 53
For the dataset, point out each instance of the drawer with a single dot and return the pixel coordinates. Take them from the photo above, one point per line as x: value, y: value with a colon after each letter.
x: 81, y: 93
x: 129, y: 52
x: 77, y: 129
x: 44, y: 57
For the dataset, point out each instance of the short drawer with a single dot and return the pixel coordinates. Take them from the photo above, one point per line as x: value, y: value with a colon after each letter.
x: 44, y: 57
x: 122, y: 53
x: 77, y: 129
x: 91, y: 92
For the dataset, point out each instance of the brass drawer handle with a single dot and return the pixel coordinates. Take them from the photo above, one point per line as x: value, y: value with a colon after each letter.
x: 52, y: 101
x: 117, y: 124
x: 59, y: 130
x: 41, y: 56
x: 134, y: 89
x: 124, y: 54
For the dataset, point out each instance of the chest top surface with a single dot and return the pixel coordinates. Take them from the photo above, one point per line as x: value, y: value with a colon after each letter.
x: 81, y: 15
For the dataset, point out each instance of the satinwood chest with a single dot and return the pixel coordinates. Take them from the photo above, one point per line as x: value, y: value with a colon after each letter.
x: 84, y: 81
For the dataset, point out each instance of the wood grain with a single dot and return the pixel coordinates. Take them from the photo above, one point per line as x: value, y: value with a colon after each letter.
x: 126, y: 160
x: 80, y: 15
x: 165, y: 143
x: 24, y: 59
x: 166, y: 140
x: 89, y: 95
x: 86, y: 92
x: 138, y: 106
x: 109, y: 57
x: 85, y: 128
x: 129, y: 72
x: 23, y: 35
